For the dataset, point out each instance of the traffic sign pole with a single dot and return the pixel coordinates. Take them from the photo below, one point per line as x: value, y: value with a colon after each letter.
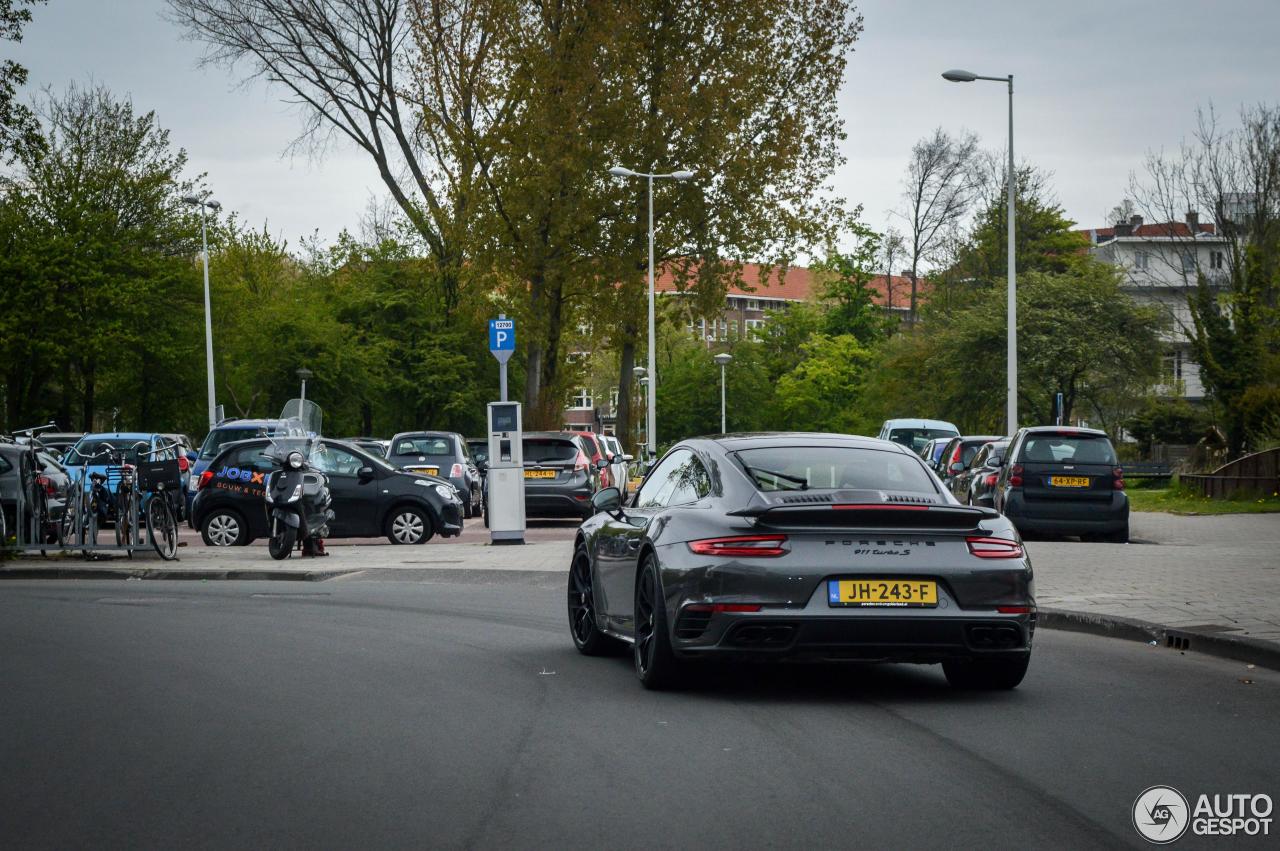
x: 502, y: 345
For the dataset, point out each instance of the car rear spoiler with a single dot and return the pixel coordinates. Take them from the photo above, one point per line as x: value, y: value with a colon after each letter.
x: 880, y: 517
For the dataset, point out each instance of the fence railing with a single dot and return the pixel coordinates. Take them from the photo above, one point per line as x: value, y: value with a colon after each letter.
x: 1256, y: 474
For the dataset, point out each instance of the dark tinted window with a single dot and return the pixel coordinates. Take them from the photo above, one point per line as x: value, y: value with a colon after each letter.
x: 248, y: 457
x: 538, y: 450
x: 1067, y: 448
x: 220, y: 437
x: 335, y: 460
x: 798, y: 467
x: 678, y: 479
x: 123, y: 453
x: 438, y: 446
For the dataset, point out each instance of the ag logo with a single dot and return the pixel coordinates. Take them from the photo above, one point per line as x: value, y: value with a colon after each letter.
x: 1161, y: 814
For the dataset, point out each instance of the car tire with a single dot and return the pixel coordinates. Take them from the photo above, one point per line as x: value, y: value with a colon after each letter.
x: 998, y: 674
x: 586, y: 634
x: 408, y: 524
x: 656, y: 664
x: 1119, y: 537
x: 224, y: 527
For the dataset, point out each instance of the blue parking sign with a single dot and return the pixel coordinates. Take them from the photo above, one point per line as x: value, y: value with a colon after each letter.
x: 502, y: 335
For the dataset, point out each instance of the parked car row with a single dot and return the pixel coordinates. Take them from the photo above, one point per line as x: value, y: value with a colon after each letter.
x: 1046, y: 479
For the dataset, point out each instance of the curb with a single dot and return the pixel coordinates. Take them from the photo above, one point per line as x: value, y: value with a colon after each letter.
x: 1236, y: 647
x: 162, y: 573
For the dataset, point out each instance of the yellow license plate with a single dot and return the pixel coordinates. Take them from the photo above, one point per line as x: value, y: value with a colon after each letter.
x: 892, y: 593
x: 1069, y: 481
x: 539, y: 474
x: 430, y: 471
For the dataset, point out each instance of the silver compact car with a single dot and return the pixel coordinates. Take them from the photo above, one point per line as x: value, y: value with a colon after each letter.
x: 818, y: 547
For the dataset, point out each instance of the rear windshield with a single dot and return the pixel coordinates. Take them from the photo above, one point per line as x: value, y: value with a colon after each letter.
x: 539, y: 450
x: 916, y: 438
x: 438, y: 446
x: 799, y: 468
x: 479, y: 451
x: 1078, y: 449
x: 84, y: 452
x: 220, y: 437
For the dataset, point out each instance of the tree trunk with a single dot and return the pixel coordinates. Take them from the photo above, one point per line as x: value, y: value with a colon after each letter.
x: 88, y: 370
x: 624, y: 427
x: 366, y: 419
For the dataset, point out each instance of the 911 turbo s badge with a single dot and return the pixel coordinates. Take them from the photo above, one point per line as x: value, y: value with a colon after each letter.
x: 880, y: 548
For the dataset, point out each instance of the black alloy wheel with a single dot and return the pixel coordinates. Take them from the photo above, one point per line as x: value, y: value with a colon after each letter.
x: 282, y: 540
x: 656, y: 664
x: 587, y: 636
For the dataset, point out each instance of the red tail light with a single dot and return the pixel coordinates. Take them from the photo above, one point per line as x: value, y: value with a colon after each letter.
x: 955, y: 456
x: 742, y: 545
x: 455, y: 472
x: 876, y: 506
x: 1015, y: 476
x: 1118, y: 473
x: 994, y: 548
x: 581, y: 465
x: 184, y: 464
x: 205, y: 478
x: 724, y: 607
x: 1015, y: 610
x: 46, y: 483
x: 990, y: 480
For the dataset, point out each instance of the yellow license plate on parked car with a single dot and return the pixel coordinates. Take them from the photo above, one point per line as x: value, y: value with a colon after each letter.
x: 539, y: 474
x: 430, y: 471
x: 894, y: 593
x: 1069, y: 481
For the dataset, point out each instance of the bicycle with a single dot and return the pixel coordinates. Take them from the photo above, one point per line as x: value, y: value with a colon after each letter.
x: 159, y: 481
x: 85, y: 505
x: 32, y: 504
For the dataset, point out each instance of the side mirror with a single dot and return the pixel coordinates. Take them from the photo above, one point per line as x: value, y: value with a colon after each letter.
x: 956, y: 467
x: 602, y: 464
x: 191, y: 456
x: 995, y: 462
x: 607, y: 499
x: 365, y: 474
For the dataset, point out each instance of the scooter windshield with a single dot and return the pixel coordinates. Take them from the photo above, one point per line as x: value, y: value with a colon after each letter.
x: 305, y: 414
x: 285, y: 445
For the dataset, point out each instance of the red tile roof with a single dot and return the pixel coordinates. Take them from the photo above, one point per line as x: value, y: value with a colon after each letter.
x: 1157, y: 229
x: 796, y: 283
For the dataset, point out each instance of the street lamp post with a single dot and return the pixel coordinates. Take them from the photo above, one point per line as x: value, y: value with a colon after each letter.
x: 1011, y: 405
x: 304, y: 374
x: 651, y: 424
x: 204, y: 205
x: 723, y: 359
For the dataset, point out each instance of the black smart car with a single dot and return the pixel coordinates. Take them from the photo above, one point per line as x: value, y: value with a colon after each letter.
x: 370, y: 497
x: 1064, y: 481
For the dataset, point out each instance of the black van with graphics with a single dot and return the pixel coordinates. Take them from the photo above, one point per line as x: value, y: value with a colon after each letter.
x: 370, y: 497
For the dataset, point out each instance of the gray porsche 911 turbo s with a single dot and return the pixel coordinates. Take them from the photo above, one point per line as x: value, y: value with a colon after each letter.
x: 817, y: 547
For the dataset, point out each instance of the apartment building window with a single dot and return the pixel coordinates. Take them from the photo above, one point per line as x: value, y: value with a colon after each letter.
x: 1216, y: 260
x: 1188, y: 263
x: 1140, y: 260
x: 723, y: 330
x: 1172, y: 366
x: 733, y: 328
x: 755, y: 326
x: 582, y: 399
x: 753, y: 304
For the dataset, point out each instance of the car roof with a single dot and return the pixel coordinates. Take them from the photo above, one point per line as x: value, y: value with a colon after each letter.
x: 771, y: 439
x: 918, y: 422
x: 424, y: 433
x: 1065, y: 431
x: 123, y: 435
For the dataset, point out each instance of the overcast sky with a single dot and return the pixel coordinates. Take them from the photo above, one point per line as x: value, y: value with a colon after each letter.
x: 1097, y: 85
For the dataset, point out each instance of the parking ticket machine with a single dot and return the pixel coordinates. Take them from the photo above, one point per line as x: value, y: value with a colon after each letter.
x: 505, y: 479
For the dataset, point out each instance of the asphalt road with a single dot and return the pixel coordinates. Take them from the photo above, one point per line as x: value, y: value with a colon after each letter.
x: 446, y: 714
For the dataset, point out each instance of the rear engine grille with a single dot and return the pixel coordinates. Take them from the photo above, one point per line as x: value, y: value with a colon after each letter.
x: 911, y: 500
x: 692, y: 624
x: 810, y: 499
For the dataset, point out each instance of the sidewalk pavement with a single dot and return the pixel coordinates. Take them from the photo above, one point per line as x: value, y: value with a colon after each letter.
x: 1209, y: 583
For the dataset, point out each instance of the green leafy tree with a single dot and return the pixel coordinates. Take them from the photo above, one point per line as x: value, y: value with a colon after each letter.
x: 823, y: 391
x: 19, y: 129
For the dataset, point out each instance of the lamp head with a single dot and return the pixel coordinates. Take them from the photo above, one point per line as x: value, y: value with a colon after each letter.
x: 213, y: 205
x: 723, y: 358
x: 190, y: 199
x: 620, y: 171
x: 958, y: 76
x: 682, y: 174
x: 639, y: 371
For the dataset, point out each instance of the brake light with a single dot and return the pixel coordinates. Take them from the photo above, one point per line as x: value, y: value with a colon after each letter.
x: 724, y: 607
x: 990, y: 480
x: 1118, y: 473
x: 1015, y: 476
x: 205, y: 478
x: 183, y: 463
x: 46, y: 483
x: 455, y: 472
x: 994, y: 548
x: 1015, y: 610
x: 955, y: 456
x: 742, y: 545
